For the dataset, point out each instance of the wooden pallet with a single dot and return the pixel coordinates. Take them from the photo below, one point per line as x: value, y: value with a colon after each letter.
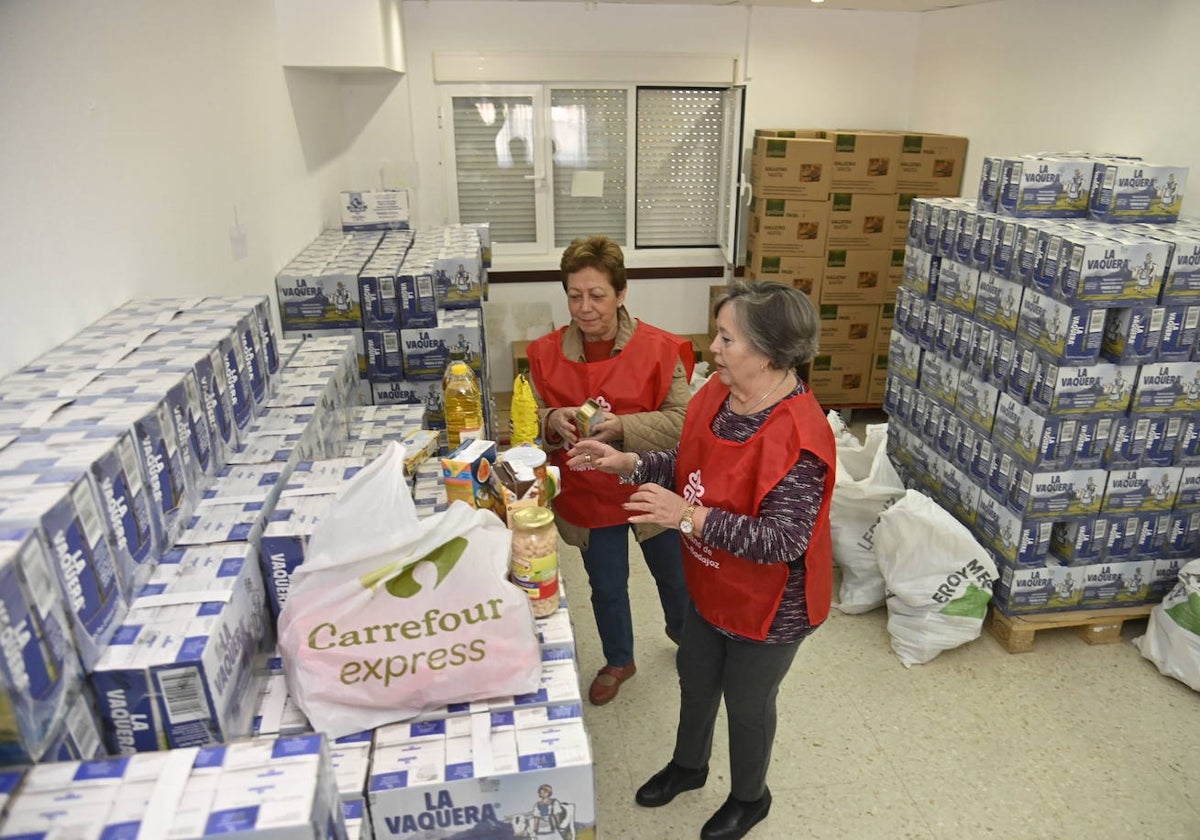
x: 1096, y: 627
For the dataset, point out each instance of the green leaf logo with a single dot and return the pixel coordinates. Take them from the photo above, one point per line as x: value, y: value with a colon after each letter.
x: 403, y: 585
x: 1187, y: 613
x: 973, y: 604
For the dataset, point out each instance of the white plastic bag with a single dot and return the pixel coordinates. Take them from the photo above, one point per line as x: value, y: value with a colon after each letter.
x: 866, y: 484
x: 1172, y: 639
x: 940, y: 578
x: 391, y: 615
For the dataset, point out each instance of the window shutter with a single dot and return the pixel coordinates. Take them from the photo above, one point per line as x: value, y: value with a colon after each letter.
x: 589, y: 129
x: 493, y: 147
x: 679, y: 139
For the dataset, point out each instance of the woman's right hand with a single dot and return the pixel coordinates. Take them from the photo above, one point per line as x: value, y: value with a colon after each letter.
x: 561, y: 423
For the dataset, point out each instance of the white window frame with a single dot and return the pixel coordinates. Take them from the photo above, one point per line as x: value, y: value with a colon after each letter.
x: 726, y: 247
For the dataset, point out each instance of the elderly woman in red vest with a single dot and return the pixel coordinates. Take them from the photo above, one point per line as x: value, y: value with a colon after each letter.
x: 748, y: 488
x: 638, y: 374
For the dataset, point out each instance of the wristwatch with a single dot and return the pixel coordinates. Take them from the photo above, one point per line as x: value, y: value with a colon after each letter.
x: 686, y: 525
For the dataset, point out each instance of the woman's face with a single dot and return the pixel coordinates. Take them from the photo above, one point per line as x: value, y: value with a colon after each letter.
x: 593, y: 303
x: 738, y: 363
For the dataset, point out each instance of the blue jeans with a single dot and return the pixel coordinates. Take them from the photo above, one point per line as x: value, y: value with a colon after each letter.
x: 607, y: 562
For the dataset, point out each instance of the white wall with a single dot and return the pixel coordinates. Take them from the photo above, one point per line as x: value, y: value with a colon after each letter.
x: 1027, y: 75
x: 131, y: 131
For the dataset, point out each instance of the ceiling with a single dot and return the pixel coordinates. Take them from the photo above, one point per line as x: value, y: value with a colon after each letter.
x: 844, y: 5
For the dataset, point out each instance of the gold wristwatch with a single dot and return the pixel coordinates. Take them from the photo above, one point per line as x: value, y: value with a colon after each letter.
x: 686, y: 525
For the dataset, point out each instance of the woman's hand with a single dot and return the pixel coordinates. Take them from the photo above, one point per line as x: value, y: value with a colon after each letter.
x: 561, y: 423
x: 656, y: 505
x: 609, y: 429
x: 591, y: 454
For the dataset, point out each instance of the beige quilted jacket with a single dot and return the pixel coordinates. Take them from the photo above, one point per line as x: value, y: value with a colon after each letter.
x: 644, y: 431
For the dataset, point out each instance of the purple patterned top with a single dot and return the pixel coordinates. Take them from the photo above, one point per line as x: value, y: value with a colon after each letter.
x: 779, y: 534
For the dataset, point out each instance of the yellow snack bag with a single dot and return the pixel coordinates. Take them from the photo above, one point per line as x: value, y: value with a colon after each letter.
x: 524, y: 412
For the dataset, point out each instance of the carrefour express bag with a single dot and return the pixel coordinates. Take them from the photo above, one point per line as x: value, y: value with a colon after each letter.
x: 865, y: 486
x: 391, y: 615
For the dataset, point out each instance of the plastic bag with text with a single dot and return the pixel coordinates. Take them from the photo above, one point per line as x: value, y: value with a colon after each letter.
x: 939, y: 578
x: 392, y: 615
x: 865, y: 486
x: 1172, y: 638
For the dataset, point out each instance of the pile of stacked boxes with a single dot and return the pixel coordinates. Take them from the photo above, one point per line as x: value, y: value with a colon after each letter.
x: 1044, y: 377
x: 829, y: 215
x: 160, y: 476
x: 408, y: 298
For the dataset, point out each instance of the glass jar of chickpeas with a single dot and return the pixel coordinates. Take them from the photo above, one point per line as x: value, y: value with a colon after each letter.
x: 534, y: 565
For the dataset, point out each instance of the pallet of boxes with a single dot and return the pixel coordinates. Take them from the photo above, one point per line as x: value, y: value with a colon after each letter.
x: 408, y: 297
x: 829, y: 215
x: 1044, y: 383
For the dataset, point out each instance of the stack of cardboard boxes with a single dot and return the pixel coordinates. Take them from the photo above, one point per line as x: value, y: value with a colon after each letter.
x: 829, y: 214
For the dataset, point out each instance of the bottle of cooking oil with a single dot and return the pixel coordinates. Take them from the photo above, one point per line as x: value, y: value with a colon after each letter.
x: 463, y: 404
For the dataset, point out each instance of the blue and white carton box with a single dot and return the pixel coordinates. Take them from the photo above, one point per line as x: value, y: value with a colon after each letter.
x: 1188, y: 496
x: 1143, y: 489
x: 1137, y: 191
x: 133, y: 519
x: 39, y: 667
x: 68, y: 518
x: 376, y: 209
x: 1030, y: 435
x: 1051, y: 587
x: 1079, y: 540
x: 485, y: 775
x: 1044, y: 187
x: 1182, y: 534
x: 1180, y: 332
x: 285, y: 542
x: 998, y: 301
x: 1167, y: 386
x: 1114, y: 583
x: 1132, y: 334
x: 1057, y: 494
x: 426, y: 352
x: 1062, y: 332
x: 1182, y: 281
x: 181, y: 670
x: 384, y: 360
x: 958, y: 285
x: 1164, y: 577
x: 1118, y: 269
x: 1082, y: 389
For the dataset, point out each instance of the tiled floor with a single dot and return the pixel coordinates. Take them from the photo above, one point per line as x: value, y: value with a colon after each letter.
x: 1069, y: 741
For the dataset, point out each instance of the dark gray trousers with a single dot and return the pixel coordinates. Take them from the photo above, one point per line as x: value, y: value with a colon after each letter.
x: 747, y: 675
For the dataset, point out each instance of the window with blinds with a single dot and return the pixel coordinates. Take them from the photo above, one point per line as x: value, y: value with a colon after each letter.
x: 589, y: 131
x: 679, y: 134
x: 648, y: 166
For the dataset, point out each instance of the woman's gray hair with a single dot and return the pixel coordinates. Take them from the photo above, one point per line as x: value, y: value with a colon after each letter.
x: 779, y: 321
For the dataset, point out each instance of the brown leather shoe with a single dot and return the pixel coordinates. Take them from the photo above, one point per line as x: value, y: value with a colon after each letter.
x: 608, y: 682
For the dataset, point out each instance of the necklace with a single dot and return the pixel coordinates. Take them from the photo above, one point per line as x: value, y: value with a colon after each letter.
x: 754, y: 404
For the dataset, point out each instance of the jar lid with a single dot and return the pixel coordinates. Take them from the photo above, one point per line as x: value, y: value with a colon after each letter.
x: 524, y: 459
x: 533, y: 517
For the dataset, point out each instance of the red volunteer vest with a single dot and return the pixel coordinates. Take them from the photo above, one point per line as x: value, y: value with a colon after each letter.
x: 636, y: 379
x: 731, y: 592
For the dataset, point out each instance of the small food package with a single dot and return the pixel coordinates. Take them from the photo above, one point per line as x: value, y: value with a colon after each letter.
x: 466, y: 472
x: 519, y: 480
x: 587, y: 417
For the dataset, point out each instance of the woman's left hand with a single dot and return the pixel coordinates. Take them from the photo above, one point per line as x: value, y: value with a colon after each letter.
x: 609, y: 429
x: 656, y: 505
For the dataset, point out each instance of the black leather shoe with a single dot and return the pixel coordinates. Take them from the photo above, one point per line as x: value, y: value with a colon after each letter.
x: 735, y: 818
x: 668, y: 783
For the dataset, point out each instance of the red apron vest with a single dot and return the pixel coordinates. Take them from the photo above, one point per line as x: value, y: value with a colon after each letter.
x: 636, y: 379
x: 731, y: 592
